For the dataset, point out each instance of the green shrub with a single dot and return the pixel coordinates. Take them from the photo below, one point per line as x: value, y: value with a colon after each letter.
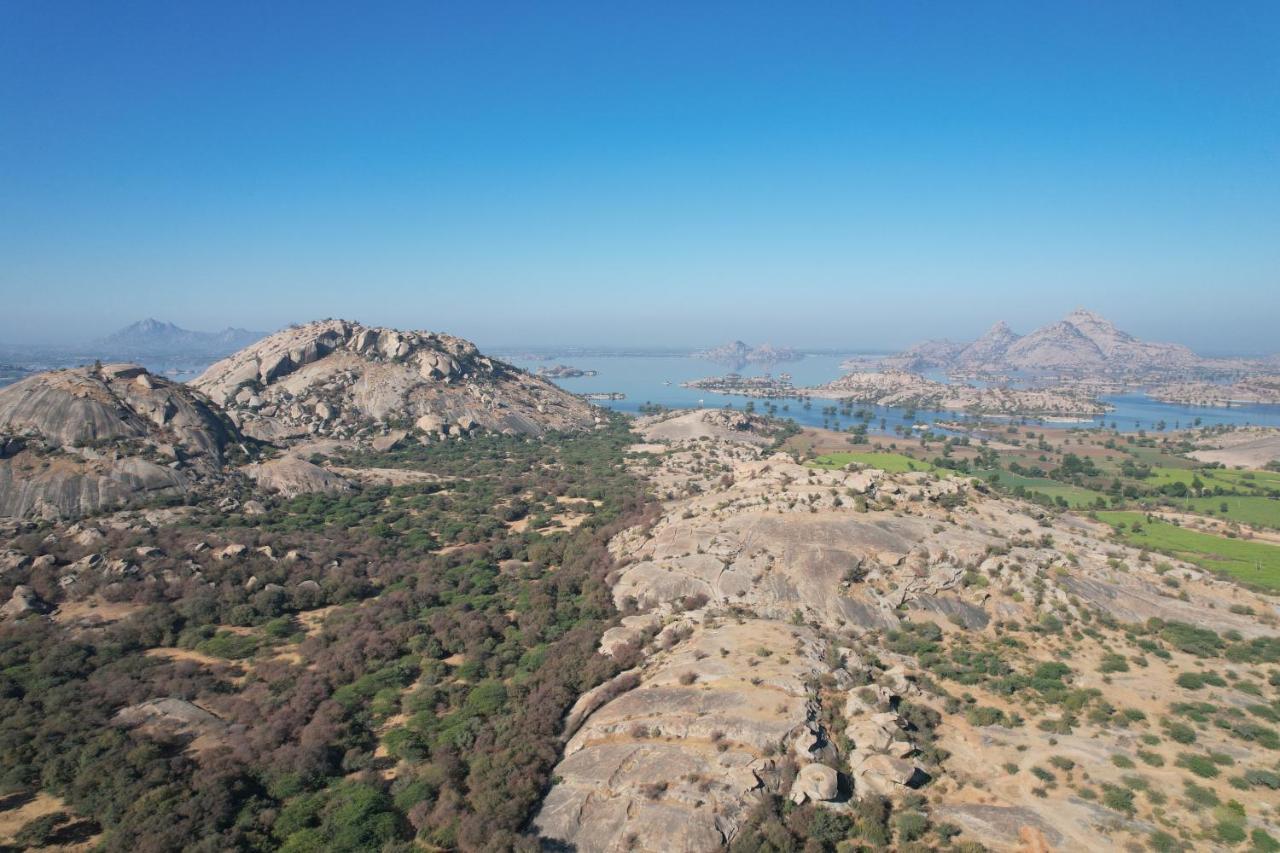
x: 911, y: 826
x: 1112, y: 662
x: 1201, y: 765
x: 1117, y: 798
x: 983, y: 715
x: 1263, y: 842
x: 1265, y: 778
x: 1200, y: 795
x: 1180, y: 732
x: 1153, y: 759
x: 1200, y: 642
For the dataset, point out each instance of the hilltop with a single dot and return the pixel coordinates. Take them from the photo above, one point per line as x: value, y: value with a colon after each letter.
x: 1082, y: 342
x: 343, y: 379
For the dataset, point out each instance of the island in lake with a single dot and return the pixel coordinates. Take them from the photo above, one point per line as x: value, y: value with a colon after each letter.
x: 564, y: 371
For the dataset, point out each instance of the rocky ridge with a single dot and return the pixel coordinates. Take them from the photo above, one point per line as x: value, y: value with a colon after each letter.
x: 760, y: 599
x: 156, y: 336
x: 1082, y: 342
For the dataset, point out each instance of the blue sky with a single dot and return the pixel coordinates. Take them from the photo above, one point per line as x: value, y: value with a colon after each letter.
x: 828, y: 174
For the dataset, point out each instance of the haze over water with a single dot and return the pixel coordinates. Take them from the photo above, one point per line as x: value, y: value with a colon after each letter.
x: 644, y: 379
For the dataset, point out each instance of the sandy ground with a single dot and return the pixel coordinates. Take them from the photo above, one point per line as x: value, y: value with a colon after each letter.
x: 1251, y: 448
x: 390, y: 476
x: 93, y: 612
x: 13, y: 819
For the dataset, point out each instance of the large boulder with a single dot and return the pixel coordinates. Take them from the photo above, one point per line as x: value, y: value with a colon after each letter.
x: 885, y: 775
x: 22, y: 602
x: 815, y: 782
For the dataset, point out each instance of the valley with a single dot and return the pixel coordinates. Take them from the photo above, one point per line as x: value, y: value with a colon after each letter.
x: 357, y: 588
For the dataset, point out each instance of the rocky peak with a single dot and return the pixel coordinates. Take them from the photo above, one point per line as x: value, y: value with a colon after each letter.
x: 989, y: 349
x: 1060, y: 345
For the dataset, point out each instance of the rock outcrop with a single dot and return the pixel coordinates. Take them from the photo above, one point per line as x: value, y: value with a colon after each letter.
x: 22, y: 602
x: 74, y: 441
x: 337, y: 378
x: 290, y: 476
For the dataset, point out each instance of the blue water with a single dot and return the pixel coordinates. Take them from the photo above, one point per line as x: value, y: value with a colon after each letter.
x: 643, y: 378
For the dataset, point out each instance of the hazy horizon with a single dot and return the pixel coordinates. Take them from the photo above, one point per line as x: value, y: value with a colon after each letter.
x: 560, y: 341
x: 860, y: 177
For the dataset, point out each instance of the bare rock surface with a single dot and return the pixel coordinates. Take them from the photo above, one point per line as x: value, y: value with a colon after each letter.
x: 83, y: 439
x: 170, y: 716
x: 677, y: 758
x: 290, y: 476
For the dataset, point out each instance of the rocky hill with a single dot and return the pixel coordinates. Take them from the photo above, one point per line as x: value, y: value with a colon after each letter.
x: 1082, y: 342
x: 74, y: 441
x: 739, y: 354
x: 157, y: 336
x: 343, y: 379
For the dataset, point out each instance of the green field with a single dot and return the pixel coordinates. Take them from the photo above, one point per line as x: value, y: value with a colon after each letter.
x: 1076, y: 496
x: 1257, y: 511
x: 1156, y: 458
x: 894, y: 463
x: 1225, y: 477
x: 1253, y: 562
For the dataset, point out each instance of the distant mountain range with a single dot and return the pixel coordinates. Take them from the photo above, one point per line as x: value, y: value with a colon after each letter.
x: 739, y: 354
x: 157, y: 336
x: 1082, y: 342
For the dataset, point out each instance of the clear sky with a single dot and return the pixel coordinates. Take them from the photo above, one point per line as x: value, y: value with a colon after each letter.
x: 825, y: 174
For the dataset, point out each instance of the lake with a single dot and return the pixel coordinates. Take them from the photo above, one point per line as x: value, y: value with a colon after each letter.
x: 656, y: 379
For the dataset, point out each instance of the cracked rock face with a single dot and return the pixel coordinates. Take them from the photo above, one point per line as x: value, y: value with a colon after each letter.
x: 677, y: 759
x: 334, y: 378
x: 91, y: 437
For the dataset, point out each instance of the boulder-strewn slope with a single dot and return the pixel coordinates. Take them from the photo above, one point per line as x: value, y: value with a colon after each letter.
x: 337, y: 378
x: 833, y: 637
x: 74, y: 441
